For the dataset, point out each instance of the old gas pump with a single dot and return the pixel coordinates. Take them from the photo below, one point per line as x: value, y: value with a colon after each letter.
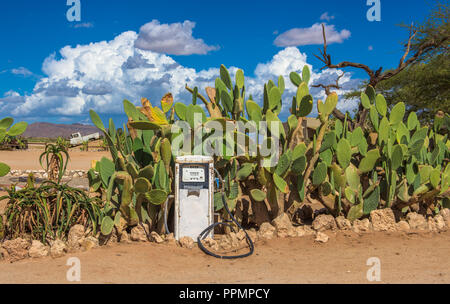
x: 194, y: 192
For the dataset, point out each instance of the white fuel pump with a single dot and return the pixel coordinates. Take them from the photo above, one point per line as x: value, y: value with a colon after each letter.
x: 194, y: 192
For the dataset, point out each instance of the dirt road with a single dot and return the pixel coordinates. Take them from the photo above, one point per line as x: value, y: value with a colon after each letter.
x: 405, y: 258
x: 29, y: 160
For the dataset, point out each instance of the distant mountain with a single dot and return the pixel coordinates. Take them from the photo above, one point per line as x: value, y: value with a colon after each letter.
x: 50, y: 130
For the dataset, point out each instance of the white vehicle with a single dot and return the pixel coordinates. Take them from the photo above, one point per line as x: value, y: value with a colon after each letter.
x: 76, y: 138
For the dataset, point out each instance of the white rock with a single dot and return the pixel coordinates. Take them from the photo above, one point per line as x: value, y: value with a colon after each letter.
x: 76, y: 233
x: 417, y: 221
x: 186, y: 242
x: 89, y: 243
x: 324, y: 222
x: 343, y: 223
x: 321, y: 237
x: 38, y: 250
x: 282, y: 224
x: 17, y: 249
x: 403, y: 226
x: 155, y: 237
x: 58, y: 249
x: 139, y: 233
x: 361, y: 226
x: 440, y: 222
x: 383, y: 220
x: 266, y: 231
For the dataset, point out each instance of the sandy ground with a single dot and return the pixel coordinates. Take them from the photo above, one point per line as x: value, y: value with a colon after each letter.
x: 405, y: 258
x: 29, y: 160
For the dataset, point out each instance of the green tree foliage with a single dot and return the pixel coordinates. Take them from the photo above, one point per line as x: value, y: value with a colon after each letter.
x: 425, y: 87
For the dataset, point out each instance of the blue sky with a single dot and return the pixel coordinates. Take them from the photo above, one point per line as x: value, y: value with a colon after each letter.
x: 38, y: 83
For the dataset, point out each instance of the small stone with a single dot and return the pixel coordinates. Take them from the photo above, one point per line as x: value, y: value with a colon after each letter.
x: 324, y: 222
x: 38, y: 250
x: 186, y: 242
x: 76, y: 234
x: 321, y: 237
x: 417, y: 221
x: 17, y: 249
x: 282, y: 224
x: 383, y: 220
x: 445, y: 213
x: 266, y: 231
x: 225, y: 243
x: 170, y: 238
x: 431, y: 224
x: 240, y: 235
x: 403, y: 226
x: 253, y: 234
x: 209, y: 242
x: 58, y: 249
x: 343, y: 223
x: 361, y: 226
x: 3, y: 254
x: 440, y: 222
x: 124, y: 237
x: 234, y: 240
x: 155, y: 237
x: 305, y: 230
x: 89, y: 243
x: 292, y: 232
x: 139, y: 233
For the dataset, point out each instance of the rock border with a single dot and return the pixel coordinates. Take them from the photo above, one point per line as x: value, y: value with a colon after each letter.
x: 80, y: 240
x: 43, y: 173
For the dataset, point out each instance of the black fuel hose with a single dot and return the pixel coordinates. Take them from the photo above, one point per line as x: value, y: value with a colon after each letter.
x: 205, y: 232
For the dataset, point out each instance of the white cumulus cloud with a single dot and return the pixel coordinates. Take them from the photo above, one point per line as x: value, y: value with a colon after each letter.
x: 311, y: 35
x: 172, y: 39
